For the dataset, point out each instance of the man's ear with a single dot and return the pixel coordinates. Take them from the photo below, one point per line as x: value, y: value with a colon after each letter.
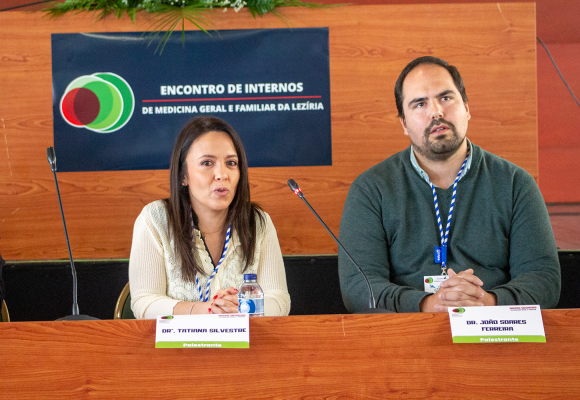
x: 404, y: 124
x: 467, y: 109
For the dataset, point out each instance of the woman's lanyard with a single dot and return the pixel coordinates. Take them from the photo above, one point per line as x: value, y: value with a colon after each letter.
x: 441, y: 253
x: 204, y: 297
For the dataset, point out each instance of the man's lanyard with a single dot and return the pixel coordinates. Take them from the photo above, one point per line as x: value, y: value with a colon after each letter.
x: 204, y: 297
x: 441, y: 253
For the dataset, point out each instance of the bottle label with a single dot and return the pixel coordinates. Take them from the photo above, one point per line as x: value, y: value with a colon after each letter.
x: 251, y: 306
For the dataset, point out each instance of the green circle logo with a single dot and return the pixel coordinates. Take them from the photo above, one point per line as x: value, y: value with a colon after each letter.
x: 429, y: 280
x: 459, y: 310
x: 102, y: 102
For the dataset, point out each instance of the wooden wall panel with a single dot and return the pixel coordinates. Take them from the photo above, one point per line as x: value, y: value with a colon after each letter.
x: 493, y: 47
x: 559, y: 118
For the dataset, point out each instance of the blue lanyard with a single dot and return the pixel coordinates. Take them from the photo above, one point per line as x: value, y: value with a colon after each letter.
x: 202, y: 296
x: 441, y: 252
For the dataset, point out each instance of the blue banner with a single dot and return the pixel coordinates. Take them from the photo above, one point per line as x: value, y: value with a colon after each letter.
x: 119, y: 106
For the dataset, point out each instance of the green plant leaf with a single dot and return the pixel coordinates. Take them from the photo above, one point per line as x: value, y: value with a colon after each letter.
x: 167, y: 14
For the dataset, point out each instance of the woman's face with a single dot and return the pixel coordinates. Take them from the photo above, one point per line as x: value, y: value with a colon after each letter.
x: 212, y: 172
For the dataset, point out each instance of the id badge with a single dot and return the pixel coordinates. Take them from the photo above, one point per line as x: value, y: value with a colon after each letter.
x: 432, y: 283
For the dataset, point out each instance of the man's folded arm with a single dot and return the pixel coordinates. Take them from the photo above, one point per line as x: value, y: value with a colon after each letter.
x: 363, y: 235
x: 534, y: 264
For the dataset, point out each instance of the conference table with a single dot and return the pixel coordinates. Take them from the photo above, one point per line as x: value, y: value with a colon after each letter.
x: 321, y: 356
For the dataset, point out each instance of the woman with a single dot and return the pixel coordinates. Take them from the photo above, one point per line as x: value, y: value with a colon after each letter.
x: 190, y: 251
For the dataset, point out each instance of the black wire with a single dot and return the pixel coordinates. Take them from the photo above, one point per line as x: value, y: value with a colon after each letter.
x: 25, y: 5
x: 554, y: 62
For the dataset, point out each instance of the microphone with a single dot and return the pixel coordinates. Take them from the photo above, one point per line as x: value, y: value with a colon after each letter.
x: 52, y: 160
x: 75, y: 308
x: 372, y: 303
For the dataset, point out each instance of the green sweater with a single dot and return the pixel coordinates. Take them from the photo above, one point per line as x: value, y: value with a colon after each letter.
x: 500, y: 228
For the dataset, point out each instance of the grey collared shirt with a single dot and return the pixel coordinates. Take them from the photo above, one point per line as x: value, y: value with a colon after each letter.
x: 424, y: 175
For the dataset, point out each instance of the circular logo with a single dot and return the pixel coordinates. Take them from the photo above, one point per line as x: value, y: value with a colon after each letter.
x: 459, y: 310
x: 102, y: 102
x: 247, y: 306
x: 429, y: 280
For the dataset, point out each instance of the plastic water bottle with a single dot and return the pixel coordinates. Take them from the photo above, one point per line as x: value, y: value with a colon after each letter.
x: 251, y: 297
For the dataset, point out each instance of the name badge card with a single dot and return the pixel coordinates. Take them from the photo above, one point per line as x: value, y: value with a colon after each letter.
x: 500, y: 324
x: 433, y: 282
x: 226, y: 331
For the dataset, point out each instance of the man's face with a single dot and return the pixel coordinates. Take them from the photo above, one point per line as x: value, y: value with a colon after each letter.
x: 435, y: 114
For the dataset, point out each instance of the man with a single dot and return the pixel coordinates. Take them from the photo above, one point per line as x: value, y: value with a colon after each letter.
x: 498, y: 249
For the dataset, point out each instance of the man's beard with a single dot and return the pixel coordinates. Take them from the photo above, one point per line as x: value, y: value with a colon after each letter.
x: 440, y: 148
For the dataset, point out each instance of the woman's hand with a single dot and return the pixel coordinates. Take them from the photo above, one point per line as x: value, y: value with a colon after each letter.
x: 225, y: 302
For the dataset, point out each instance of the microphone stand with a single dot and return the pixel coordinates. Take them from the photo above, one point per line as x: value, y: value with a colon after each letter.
x: 372, y: 309
x: 75, y: 307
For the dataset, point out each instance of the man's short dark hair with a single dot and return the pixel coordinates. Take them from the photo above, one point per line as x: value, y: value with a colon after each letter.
x: 426, y: 60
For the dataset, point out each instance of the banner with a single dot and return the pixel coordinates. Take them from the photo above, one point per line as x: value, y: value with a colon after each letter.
x: 117, y: 105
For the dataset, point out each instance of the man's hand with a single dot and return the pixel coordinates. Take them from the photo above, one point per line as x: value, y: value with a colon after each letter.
x: 460, y: 290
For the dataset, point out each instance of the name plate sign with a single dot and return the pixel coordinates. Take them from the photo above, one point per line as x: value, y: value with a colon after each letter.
x: 500, y: 324
x: 226, y: 331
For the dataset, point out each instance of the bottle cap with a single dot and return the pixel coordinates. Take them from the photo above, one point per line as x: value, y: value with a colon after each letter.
x: 250, y: 277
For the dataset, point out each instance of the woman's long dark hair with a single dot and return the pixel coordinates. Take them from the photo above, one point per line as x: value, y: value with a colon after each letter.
x: 242, y: 213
